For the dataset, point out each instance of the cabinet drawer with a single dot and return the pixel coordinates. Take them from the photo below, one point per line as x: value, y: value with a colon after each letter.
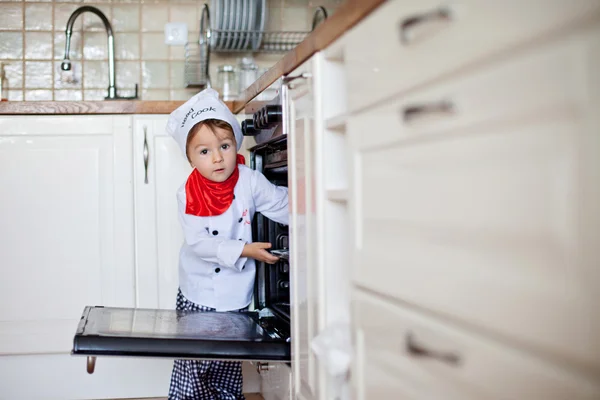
x: 547, y: 79
x: 403, y: 354
x: 380, y: 64
x: 490, y: 217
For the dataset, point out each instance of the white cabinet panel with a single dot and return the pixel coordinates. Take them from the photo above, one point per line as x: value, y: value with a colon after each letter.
x: 158, y: 232
x: 406, y: 354
x: 65, y: 226
x: 303, y: 266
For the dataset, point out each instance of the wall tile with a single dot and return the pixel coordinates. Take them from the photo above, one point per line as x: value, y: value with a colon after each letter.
x: 95, y: 46
x: 11, y: 45
x: 95, y: 75
x: 91, y: 95
x: 75, y: 50
x: 68, y: 95
x: 38, y: 17
x: 15, y: 95
x: 154, y: 47
x: 62, y: 12
x: 177, y: 75
x: 142, y: 57
x: 14, y: 74
x: 156, y: 94
x: 11, y: 16
x: 38, y: 95
x: 296, y: 19
x: 38, y: 45
x: 126, y: 17
x: 176, y: 52
x: 183, y: 94
x: 38, y: 74
x: 154, y: 17
x: 75, y: 76
x: 155, y: 75
x: 127, y: 74
x: 92, y: 22
x: 127, y: 46
x: 187, y: 14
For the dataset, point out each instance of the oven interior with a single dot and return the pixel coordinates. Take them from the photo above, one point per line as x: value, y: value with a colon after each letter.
x: 272, y: 289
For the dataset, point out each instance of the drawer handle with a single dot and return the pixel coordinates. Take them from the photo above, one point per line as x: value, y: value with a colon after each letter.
x: 146, y: 155
x: 418, y: 350
x: 439, y: 14
x: 442, y: 107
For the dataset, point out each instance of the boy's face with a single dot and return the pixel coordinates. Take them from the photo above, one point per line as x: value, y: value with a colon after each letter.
x: 213, y: 154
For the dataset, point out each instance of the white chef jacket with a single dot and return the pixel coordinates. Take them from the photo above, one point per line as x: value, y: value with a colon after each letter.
x: 211, y: 271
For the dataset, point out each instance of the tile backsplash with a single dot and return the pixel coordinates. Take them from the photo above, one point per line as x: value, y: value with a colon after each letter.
x: 32, y: 45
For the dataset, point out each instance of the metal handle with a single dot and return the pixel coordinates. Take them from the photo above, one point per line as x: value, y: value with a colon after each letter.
x: 439, y: 14
x: 146, y: 156
x: 91, y: 364
x: 288, y: 79
x: 412, y: 111
x: 262, y: 367
x: 415, y: 349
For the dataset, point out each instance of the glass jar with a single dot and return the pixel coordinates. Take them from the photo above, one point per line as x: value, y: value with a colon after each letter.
x: 248, y: 73
x: 227, y: 84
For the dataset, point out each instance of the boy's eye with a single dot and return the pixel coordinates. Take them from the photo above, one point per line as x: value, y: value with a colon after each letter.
x: 225, y: 146
x: 204, y: 151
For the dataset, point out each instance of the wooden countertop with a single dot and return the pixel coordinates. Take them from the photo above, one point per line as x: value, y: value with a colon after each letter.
x: 90, y: 107
x: 345, y: 17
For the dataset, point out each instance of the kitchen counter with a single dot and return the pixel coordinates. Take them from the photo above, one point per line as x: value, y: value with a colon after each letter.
x: 90, y: 107
x: 345, y: 17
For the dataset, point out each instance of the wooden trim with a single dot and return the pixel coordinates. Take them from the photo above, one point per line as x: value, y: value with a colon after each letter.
x: 90, y: 107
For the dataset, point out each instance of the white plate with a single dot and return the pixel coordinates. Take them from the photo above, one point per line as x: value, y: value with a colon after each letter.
x: 244, y: 24
x: 230, y: 21
x: 238, y: 24
x: 219, y: 22
x: 214, y: 18
x: 260, y: 23
x: 251, y: 15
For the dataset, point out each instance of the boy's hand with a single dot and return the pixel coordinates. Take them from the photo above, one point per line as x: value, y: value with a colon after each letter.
x: 257, y: 251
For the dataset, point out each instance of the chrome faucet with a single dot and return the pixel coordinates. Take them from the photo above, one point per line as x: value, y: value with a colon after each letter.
x: 66, y: 64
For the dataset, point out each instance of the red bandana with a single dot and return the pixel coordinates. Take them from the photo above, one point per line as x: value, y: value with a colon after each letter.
x: 206, y: 198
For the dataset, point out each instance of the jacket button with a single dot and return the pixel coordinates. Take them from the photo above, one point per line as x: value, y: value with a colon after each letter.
x: 243, y: 267
x: 234, y: 196
x: 217, y: 270
x: 215, y: 233
x: 240, y: 220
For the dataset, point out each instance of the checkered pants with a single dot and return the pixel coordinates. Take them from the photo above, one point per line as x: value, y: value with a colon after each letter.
x: 204, y: 380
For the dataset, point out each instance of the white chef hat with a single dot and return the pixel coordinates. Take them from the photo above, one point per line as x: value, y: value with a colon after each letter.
x: 204, y: 105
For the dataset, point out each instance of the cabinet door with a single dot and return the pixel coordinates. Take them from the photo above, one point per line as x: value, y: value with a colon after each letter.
x: 304, y: 293
x: 66, y: 238
x: 159, y: 169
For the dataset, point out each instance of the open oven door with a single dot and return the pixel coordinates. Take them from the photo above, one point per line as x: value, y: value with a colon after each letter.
x: 244, y: 336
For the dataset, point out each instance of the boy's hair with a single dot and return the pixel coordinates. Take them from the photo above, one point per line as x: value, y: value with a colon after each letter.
x: 211, y: 124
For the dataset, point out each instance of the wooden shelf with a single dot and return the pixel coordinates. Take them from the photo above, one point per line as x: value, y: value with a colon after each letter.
x: 338, y: 195
x: 337, y: 124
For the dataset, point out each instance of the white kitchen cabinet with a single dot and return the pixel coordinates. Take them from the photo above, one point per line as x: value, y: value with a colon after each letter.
x: 474, y: 212
x: 67, y: 241
x: 319, y: 230
x: 304, y: 280
x: 66, y: 226
x: 159, y: 169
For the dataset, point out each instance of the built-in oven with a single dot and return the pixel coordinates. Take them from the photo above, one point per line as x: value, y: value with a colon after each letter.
x: 261, y: 334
